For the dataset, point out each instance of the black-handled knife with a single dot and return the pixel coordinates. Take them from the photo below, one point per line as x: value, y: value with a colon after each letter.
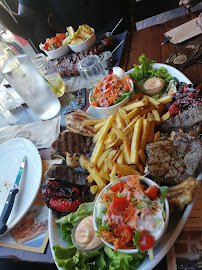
x: 10, y: 200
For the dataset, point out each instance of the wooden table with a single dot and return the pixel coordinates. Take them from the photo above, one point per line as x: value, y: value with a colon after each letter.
x: 146, y: 41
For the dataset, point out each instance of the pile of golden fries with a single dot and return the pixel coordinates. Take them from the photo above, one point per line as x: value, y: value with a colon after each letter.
x: 121, y: 139
x: 83, y: 32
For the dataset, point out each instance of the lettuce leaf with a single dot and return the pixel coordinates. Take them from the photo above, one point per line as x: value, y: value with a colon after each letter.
x: 73, y: 259
x: 67, y: 222
x: 146, y: 71
x: 118, y: 260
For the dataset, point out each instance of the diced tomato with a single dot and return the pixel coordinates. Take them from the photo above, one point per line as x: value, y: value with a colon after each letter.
x: 173, y: 110
x: 151, y: 192
x: 146, y: 242
x: 126, y: 87
x: 104, y: 103
x: 118, y: 187
x: 56, y: 41
x: 125, y: 233
x: 118, y: 205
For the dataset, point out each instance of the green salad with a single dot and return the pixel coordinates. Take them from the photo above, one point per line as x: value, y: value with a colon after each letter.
x: 105, y: 258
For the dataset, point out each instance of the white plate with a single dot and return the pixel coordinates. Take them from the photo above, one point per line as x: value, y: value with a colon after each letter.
x: 11, y: 156
x: 176, y: 223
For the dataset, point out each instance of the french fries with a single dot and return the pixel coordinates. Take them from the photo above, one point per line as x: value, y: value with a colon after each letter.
x: 83, y: 32
x: 121, y: 139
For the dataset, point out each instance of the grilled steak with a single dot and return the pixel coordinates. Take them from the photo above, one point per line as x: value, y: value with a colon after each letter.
x: 63, y: 172
x: 170, y: 162
x: 71, y: 143
x: 185, y: 120
x: 191, y: 148
x: 67, y: 65
x: 164, y: 163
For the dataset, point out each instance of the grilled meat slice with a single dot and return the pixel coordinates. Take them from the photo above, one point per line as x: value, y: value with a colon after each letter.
x: 67, y: 65
x: 180, y: 195
x: 164, y: 163
x: 185, y: 120
x: 75, y: 123
x: 171, y: 161
x: 62, y: 172
x: 191, y: 147
x: 71, y: 143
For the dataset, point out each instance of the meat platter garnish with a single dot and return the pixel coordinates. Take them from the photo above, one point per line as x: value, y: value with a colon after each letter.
x: 67, y: 65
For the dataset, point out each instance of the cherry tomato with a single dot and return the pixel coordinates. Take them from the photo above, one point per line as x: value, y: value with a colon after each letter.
x: 125, y: 233
x: 146, y: 242
x: 151, y: 192
x: 118, y: 205
x: 118, y: 187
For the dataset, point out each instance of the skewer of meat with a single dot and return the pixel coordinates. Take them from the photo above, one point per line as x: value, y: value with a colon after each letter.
x: 67, y: 65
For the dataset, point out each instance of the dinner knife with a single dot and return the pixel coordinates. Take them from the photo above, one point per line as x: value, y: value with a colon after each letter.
x: 10, y: 199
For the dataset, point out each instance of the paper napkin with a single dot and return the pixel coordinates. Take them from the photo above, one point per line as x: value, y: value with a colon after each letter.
x: 184, y: 32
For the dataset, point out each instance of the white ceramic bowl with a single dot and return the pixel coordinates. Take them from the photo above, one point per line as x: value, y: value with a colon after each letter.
x: 85, y: 45
x: 114, y: 108
x: 148, y: 182
x: 61, y: 51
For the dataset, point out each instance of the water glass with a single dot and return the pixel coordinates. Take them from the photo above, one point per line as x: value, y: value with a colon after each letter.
x: 24, y: 77
x: 10, y: 110
x: 91, y: 71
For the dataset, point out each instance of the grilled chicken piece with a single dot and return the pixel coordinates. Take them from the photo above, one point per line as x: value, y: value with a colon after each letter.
x: 62, y: 172
x: 75, y: 123
x: 180, y: 195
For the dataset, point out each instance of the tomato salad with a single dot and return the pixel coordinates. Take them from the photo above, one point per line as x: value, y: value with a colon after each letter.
x: 111, y: 90
x: 54, y: 42
x: 132, y: 214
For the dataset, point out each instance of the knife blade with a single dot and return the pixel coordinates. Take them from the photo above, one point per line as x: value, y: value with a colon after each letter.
x: 10, y: 199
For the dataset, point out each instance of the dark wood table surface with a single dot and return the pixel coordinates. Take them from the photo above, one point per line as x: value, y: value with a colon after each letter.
x: 146, y: 41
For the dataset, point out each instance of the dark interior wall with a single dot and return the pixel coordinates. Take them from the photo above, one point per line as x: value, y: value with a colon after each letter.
x: 144, y: 9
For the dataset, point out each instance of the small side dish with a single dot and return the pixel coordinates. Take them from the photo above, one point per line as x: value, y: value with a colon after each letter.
x: 130, y: 215
x: 54, y: 42
x: 112, y: 92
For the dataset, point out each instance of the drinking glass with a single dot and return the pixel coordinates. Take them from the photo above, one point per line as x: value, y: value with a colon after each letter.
x: 24, y: 77
x: 10, y: 110
x: 49, y: 72
x: 91, y: 70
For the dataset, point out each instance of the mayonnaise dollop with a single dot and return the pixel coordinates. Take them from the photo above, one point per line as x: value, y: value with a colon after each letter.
x: 85, y: 235
x: 119, y: 72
